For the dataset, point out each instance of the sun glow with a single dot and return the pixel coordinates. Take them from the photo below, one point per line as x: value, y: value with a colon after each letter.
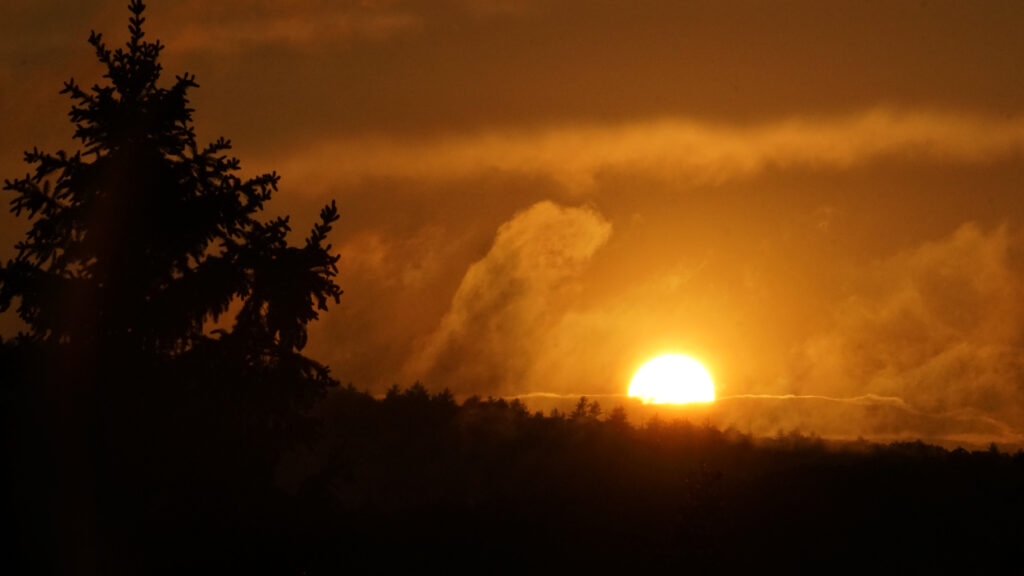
x: 672, y: 379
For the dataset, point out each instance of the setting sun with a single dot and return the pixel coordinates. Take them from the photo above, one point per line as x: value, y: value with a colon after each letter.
x: 672, y: 379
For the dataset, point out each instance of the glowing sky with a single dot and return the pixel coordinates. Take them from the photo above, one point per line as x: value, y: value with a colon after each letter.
x: 820, y: 199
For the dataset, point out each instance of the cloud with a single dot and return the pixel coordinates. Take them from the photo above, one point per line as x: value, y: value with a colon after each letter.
x: 237, y: 26
x: 672, y: 147
x: 927, y: 345
x: 849, y: 418
x: 509, y: 300
x: 940, y: 327
x: 406, y: 262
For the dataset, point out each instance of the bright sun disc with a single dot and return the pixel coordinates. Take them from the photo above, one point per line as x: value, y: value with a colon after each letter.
x: 672, y: 379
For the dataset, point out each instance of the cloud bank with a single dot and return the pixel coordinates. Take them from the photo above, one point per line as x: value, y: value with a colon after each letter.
x: 670, y: 148
x: 927, y: 345
x: 940, y: 326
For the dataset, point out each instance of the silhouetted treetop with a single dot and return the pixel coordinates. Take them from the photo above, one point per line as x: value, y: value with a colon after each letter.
x: 144, y: 236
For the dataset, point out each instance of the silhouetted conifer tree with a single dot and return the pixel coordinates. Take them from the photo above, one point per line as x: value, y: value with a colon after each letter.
x: 143, y: 236
x: 139, y: 240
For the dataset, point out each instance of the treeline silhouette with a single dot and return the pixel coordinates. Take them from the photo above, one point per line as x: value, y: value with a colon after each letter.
x: 485, y: 485
x: 488, y: 483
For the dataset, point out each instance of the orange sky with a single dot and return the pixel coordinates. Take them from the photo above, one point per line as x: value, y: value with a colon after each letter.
x: 817, y: 199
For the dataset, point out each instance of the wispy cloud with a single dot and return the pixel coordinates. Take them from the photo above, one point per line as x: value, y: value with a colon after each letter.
x: 236, y: 26
x: 938, y: 326
x: 671, y: 147
x: 865, y: 400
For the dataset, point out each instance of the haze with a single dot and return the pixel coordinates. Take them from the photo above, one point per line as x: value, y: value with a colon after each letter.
x: 820, y: 201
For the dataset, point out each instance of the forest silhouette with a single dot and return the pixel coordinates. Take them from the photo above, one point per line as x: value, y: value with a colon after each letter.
x: 159, y: 415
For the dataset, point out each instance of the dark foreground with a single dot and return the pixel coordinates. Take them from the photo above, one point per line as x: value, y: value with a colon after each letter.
x: 485, y: 486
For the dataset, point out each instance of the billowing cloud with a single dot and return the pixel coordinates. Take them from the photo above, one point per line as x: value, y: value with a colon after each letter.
x: 508, y: 301
x: 940, y: 327
x: 674, y: 147
x: 926, y: 344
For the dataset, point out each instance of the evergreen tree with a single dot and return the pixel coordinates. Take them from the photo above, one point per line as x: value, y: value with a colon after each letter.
x: 139, y: 241
x: 143, y: 236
